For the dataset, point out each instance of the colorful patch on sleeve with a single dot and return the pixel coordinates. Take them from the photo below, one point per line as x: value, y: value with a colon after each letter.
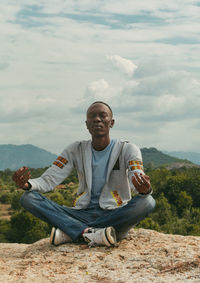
x: 62, y: 159
x: 135, y: 165
x: 60, y: 162
x: 117, y: 198
x: 57, y: 163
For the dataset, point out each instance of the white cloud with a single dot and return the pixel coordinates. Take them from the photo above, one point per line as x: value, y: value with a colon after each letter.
x: 100, y: 90
x: 53, y: 64
x: 124, y: 65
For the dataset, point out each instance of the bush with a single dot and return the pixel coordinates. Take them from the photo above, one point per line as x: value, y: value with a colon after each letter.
x: 4, y: 230
x: 5, y: 197
x: 25, y: 228
x: 148, y: 223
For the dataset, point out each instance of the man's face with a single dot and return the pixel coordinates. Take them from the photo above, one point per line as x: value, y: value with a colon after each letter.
x: 99, y: 120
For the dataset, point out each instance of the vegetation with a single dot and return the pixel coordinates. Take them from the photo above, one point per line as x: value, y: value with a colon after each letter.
x: 157, y: 158
x: 177, y: 194
x: 14, y: 156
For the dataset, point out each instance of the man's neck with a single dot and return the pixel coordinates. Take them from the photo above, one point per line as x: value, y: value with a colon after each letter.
x: 100, y: 143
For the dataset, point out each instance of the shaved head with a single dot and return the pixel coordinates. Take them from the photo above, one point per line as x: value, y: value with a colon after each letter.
x: 101, y: 102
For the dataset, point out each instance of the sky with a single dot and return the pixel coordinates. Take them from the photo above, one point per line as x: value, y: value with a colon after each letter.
x: 140, y: 57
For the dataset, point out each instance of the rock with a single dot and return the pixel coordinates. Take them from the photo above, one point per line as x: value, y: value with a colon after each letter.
x: 145, y: 256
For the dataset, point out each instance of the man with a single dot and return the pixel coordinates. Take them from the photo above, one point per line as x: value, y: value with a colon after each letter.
x: 107, y: 170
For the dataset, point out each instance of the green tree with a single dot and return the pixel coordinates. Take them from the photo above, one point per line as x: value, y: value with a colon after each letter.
x: 56, y: 197
x: 5, y: 197
x: 183, y: 202
x: 25, y: 228
x: 15, y: 201
x: 4, y: 230
x: 149, y: 223
x: 163, y: 213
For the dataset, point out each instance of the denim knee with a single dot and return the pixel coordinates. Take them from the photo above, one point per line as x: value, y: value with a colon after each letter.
x: 150, y: 202
x: 143, y: 204
x: 23, y: 198
x: 28, y: 198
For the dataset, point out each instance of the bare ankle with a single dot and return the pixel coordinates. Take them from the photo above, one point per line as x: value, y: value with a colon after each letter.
x: 85, y: 230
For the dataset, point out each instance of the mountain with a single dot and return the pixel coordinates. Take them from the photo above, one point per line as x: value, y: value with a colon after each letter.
x: 16, y: 156
x: 192, y: 156
x: 157, y: 158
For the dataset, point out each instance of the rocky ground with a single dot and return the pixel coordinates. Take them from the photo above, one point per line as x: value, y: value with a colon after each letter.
x: 145, y: 256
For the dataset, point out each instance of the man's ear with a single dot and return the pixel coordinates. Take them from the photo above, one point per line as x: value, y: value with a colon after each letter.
x: 86, y: 124
x: 112, y: 123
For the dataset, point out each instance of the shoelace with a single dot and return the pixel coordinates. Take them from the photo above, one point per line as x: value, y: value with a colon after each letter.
x: 91, y: 243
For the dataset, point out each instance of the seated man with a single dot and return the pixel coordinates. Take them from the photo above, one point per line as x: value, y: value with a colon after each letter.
x: 107, y: 171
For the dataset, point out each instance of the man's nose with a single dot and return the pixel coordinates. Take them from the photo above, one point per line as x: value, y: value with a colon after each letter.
x: 97, y: 118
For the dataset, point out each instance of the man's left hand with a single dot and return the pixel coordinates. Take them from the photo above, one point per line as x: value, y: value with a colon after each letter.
x: 141, y: 183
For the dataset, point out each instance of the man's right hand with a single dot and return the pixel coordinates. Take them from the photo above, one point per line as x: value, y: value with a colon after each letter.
x: 21, y: 177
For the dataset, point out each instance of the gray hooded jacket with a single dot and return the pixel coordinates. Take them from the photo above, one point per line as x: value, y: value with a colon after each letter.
x: 125, y: 159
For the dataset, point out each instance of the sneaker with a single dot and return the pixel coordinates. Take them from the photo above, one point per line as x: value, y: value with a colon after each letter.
x: 100, y: 236
x: 58, y: 237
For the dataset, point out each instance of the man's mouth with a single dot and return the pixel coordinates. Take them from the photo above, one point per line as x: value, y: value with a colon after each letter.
x: 97, y: 127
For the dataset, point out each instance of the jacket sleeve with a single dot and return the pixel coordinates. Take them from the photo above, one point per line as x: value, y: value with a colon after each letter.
x: 133, y: 161
x: 56, y: 173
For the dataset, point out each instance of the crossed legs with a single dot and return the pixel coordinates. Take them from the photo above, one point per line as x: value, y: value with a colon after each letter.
x: 73, y: 222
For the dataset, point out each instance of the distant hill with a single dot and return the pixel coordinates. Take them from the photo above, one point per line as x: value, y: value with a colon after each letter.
x: 15, y: 156
x: 192, y: 156
x: 157, y: 158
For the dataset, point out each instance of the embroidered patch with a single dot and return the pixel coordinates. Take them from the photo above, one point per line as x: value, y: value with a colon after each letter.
x: 135, y: 162
x: 136, y: 168
x: 117, y: 198
x: 57, y: 163
x: 136, y: 165
x: 77, y: 198
x: 59, y: 160
x: 62, y: 159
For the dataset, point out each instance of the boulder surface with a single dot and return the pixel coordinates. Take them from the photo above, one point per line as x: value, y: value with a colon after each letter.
x: 144, y: 256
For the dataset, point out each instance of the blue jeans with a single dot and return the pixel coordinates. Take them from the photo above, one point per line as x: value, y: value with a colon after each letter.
x: 73, y: 222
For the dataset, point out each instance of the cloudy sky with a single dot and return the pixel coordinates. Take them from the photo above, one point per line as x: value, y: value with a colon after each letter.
x: 141, y: 57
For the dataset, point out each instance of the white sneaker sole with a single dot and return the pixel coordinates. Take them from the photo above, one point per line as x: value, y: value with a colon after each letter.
x: 111, y: 235
x: 52, y: 237
x: 58, y: 237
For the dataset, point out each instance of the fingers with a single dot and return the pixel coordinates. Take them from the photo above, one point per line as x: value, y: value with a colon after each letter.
x: 145, y: 179
x: 19, y: 173
x: 139, y: 178
x: 21, y: 176
x: 141, y: 182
